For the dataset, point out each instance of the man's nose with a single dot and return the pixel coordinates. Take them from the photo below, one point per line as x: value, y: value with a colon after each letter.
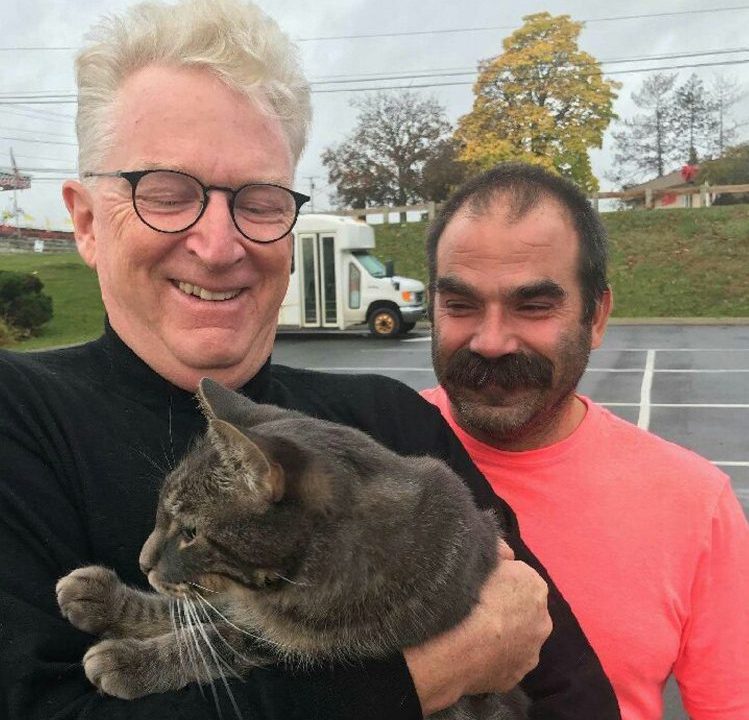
x: 495, y: 335
x: 215, y: 238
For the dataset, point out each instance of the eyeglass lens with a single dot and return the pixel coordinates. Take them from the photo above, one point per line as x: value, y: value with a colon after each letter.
x: 171, y: 202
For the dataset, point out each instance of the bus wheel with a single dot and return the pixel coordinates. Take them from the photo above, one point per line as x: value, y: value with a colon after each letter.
x: 385, y: 322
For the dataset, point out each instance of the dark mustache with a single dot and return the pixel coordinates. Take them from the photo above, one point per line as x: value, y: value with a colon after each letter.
x: 510, y: 372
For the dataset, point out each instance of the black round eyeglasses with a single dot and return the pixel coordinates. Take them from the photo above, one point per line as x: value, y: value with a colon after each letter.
x: 171, y: 201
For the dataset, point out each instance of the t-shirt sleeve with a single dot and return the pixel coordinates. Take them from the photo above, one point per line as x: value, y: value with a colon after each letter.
x: 712, y: 668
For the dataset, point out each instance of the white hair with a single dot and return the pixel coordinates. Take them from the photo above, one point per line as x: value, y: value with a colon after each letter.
x: 236, y: 40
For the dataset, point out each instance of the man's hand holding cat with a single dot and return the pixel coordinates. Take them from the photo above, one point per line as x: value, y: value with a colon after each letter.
x: 493, y: 648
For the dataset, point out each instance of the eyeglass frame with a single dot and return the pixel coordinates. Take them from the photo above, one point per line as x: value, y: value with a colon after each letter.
x: 135, y: 176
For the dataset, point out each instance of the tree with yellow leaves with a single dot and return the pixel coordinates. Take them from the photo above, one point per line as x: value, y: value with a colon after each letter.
x: 542, y: 101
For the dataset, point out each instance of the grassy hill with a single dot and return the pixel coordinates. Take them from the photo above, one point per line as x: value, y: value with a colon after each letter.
x: 664, y: 263
x: 669, y: 263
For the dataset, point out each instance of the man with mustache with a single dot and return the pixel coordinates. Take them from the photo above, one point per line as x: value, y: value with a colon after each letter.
x: 646, y: 540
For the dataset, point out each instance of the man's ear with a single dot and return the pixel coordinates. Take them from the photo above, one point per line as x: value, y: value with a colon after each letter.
x: 601, y: 317
x: 79, y: 203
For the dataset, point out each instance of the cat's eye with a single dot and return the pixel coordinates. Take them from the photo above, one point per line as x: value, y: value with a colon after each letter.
x: 188, y: 533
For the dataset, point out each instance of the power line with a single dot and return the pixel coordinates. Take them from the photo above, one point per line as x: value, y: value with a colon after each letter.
x: 422, y: 86
x: 41, y: 157
x: 484, y: 28
x: 38, y: 102
x: 54, y: 179
x: 410, y: 33
x: 42, y: 142
x: 446, y: 72
x: 457, y: 72
x: 407, y: 75
x: 35, y: 114
x: 25, y: 169
x: 41, y: 132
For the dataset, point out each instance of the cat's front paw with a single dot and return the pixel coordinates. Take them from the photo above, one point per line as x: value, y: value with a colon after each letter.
x: 130, y: 669
x: 89, y: 598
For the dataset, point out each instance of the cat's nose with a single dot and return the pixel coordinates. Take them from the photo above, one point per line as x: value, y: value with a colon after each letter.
x: 149, y: 555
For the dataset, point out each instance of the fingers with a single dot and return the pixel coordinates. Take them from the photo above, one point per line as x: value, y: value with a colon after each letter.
x: 505, y: 551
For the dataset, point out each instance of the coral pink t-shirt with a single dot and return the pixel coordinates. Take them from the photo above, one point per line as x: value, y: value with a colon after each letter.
x: 648, y: 543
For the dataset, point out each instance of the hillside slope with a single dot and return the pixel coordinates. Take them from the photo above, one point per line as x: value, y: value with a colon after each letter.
x: 664, y: 263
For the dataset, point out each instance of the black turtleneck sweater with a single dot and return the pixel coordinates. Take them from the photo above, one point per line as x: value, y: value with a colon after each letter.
x: 86, y: 435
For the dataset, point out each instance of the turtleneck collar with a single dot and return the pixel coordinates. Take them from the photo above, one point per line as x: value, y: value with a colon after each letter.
x: 129, y: 375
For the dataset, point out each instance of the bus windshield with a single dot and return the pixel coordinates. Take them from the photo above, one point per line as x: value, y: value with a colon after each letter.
x: 374, y: 266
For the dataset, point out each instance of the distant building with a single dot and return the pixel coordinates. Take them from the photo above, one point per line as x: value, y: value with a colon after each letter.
x: 23, y: 239
x: 678, y: 189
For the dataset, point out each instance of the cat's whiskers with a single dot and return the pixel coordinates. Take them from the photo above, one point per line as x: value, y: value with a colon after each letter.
x: 188, y: 635
x: 162, y: 471
x: 171, y: 438
x: 207, y: 615
x: 236, y: 627
x: 173, y: 618
x: 202, y: 587
x: 195, y: 623
x: 293, y: 582
x: 218, y: 660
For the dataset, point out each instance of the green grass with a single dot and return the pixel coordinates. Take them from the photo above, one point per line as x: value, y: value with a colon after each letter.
x: 76, y: 302
x: 664, y: 263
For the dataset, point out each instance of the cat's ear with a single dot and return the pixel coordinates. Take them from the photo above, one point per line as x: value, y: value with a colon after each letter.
x: 245, y: 462
x: 219, y: 402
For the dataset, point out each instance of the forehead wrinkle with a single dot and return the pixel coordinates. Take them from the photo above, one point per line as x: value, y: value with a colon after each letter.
x: 187, y: 170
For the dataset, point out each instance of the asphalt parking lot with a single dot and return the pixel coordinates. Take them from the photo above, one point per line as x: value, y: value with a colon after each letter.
x: 686, y: 383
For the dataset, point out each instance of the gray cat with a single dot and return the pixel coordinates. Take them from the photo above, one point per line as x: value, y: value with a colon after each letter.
x: 283, y: 537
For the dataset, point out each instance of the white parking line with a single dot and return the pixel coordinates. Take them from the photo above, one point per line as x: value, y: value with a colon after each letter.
x: 666, y: 370
x: 643, y: 420
x: 668, y: 349
x: 721, y: 406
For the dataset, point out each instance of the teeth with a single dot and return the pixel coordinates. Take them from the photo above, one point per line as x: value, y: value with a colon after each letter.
x: 204, y: 294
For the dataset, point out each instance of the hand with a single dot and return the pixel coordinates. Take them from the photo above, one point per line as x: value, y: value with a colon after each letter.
x: 494, y: 647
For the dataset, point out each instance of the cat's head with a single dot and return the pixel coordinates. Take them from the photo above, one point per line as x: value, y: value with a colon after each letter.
x: 238, y: 512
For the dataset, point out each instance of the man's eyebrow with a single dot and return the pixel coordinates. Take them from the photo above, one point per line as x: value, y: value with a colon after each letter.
x: 542, y: 288
x: 451, y: 284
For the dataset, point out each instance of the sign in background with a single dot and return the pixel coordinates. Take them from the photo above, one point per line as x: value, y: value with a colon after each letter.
x: 14, y: 181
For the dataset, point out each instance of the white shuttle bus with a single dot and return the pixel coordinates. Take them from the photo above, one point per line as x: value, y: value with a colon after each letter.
x: 337, y: 284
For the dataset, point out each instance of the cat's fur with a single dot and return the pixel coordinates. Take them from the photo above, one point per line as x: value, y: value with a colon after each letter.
x: 287, y: 537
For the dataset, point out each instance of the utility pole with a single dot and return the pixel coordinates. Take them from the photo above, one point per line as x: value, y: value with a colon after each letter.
x: 16, y: 182
x: 312, y: 179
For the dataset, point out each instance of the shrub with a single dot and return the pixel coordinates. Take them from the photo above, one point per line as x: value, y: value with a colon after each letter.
x: 23, y: 305
x: 6, y: 334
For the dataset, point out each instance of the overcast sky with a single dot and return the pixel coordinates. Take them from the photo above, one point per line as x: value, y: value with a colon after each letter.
x: 39, y: 39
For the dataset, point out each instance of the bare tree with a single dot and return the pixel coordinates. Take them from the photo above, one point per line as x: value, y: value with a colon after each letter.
x: 382, y: 161
x: 725, y: 93
x: 647, y: 142
x: 695, y: 120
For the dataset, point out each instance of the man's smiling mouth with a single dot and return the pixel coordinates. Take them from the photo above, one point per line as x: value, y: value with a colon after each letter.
x: 203, y: 294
